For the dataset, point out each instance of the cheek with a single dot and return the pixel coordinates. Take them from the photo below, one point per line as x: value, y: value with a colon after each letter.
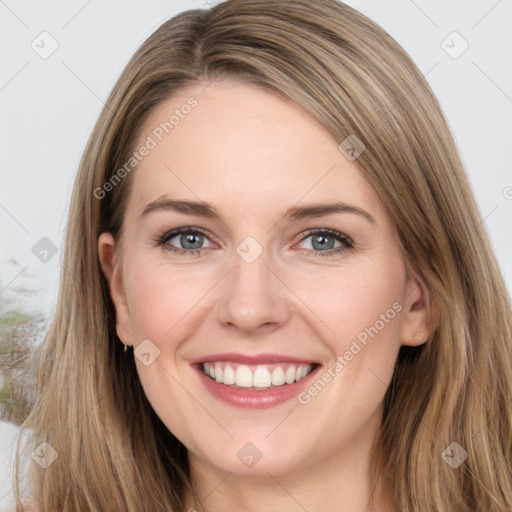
x: 363, y: 306
x: 161, y: 298
x: 356, y: 302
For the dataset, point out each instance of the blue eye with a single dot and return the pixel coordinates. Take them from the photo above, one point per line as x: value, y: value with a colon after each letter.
x: 191, y: 241
x: 323, y: 242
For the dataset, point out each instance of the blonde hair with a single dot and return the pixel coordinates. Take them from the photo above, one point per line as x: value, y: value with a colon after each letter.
x: 114, y: 453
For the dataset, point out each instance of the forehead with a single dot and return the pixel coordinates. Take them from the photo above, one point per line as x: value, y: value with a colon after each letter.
x: 229, y: 142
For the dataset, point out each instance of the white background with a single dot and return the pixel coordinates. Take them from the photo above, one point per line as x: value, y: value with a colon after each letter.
x: 48, y: 108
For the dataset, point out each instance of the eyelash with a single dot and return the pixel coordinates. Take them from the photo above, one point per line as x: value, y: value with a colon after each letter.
x: 347, y: 243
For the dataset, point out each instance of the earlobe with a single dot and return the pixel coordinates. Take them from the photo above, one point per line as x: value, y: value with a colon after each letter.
x: 415, y: 328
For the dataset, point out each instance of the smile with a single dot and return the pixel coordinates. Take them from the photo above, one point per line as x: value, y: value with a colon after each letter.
x: 258, y: 377
x: 254, y: 381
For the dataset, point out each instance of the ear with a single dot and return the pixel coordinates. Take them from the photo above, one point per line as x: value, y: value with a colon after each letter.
x: 110, y: 264
x: 415, y: 328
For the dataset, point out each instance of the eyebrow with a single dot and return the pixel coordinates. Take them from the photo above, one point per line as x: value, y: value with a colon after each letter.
x: 294, y: 213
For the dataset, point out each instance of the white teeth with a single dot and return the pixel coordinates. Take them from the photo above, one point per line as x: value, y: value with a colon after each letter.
x: 278, y: 376
x: 289, y: 376
x: 259, y: 376
x: 229, y: 375
x: 243, y: 376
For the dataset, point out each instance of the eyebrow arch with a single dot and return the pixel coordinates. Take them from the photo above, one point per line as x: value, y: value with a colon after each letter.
x: 321, y: 209
x: 203, y: 209
x: 200, y: 208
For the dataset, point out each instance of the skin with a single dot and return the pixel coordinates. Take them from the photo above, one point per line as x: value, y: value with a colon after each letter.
x: 252, y: 155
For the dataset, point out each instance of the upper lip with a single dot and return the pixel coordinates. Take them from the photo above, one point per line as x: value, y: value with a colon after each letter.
x: 252, y: 359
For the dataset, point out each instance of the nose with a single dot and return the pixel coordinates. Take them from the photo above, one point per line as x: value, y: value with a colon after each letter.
x: 254, y: 297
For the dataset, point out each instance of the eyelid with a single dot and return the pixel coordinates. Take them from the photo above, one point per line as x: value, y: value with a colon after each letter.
x: 170, y: 233
x: 332, y: 232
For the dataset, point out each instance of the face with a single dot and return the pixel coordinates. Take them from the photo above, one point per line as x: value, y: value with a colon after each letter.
x: 254, y: 250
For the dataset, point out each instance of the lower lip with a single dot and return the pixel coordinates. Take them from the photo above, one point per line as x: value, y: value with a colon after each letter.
x: 254, y: 399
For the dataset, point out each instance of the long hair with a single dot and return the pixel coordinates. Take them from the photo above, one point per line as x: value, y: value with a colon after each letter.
x: 344, y: 70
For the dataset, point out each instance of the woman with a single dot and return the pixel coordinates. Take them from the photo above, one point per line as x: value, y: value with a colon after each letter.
x: 239, y: 145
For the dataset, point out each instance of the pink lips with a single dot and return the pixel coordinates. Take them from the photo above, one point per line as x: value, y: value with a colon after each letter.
x: 251, y: 398
x: 251, y: 359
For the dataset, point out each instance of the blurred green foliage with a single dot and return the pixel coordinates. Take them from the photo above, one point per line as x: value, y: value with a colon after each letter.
x: 20, y: 332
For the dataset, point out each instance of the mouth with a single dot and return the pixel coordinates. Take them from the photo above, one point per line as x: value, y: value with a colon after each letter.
x: 254, y: 381
x: 256, y: 377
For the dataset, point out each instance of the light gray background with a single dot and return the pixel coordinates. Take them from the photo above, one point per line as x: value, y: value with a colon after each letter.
x: 48, y: 108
